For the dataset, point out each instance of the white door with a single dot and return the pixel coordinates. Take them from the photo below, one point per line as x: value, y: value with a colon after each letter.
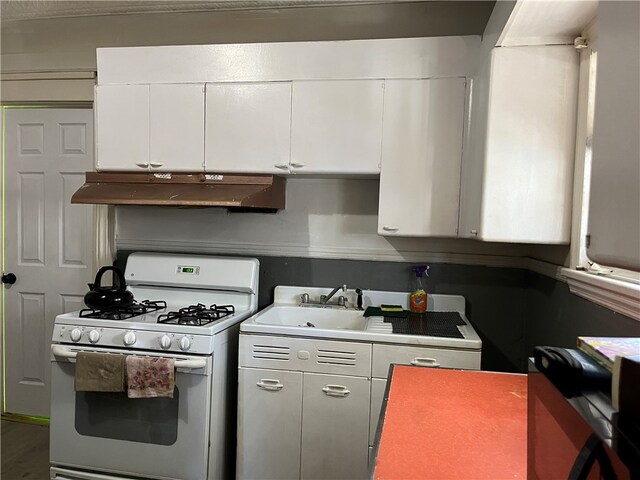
x: 248, y: 127
x: 335, y: 427
x: 48, y: 242
x: 336, y: 126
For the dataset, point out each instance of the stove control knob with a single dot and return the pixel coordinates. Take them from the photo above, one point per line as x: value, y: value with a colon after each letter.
x: 165, y: 341
x: 129, y: 338
x: 185, y: 343
x: 94, y: 336
x: 76, y: 334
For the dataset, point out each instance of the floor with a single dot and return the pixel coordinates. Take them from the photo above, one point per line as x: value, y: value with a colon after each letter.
x: 25, y: 451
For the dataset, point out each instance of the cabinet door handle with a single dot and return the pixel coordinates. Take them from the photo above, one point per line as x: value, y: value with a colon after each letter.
x: 424, y: 362
x: 270, y: 384
x: 143, y: 164
x: 282, y: 166
x: 297, y: 165
x: 387, y: 228
x: 336, y: 390
x: 156, y: 164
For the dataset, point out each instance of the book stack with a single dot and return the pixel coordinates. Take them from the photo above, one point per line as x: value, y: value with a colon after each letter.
x: 621, y: 356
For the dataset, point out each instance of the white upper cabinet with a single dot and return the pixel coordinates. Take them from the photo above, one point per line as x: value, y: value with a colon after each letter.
x: 421, y: 157
x: 122, y: 127
x: 248, y: 127
x: 336, y: 126
x: 150, y: 127
x: 307, y: 108
x: 518, y: 173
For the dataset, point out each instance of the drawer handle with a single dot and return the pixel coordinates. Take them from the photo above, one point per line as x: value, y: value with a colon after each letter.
x: 336, y: 390
x: 297, y: 165
x: 156, y: 164
x: 424, y: 362
x: 270, y: 384
x: 386, y: 228
x: 282, y: 166
x: 143, y: 165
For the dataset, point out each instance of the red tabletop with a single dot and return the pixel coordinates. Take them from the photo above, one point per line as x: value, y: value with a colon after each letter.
x: 453, y: 424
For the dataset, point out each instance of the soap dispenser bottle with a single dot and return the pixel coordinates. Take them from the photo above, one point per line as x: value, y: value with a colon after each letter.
x: 418, y: 298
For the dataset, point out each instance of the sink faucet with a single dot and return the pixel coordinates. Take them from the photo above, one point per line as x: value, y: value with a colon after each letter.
x: 325, y: 298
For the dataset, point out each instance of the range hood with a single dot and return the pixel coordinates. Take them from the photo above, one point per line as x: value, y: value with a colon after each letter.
x: 235, y: 191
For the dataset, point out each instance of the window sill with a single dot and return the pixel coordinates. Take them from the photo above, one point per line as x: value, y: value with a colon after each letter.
x: 617, y: 295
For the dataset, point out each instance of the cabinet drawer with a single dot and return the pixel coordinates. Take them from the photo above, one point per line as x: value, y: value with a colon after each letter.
x: 384, y: 355
x: 318, y: 356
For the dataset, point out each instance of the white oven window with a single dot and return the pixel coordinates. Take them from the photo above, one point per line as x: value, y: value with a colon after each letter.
x: 117, y: 417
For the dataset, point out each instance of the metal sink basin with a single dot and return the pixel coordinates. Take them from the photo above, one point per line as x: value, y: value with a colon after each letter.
x: 312, y: 317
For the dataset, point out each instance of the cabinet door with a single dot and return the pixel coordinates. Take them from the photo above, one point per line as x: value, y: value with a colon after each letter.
x: 248, y: 127
x: 122, y: 127
x: 335, y: 427
x: 528, y: 172
x: 421, y: 157
x: 176, y: 128
x: 378, y: 386
x: 336, y: 126
x: 269, y: 418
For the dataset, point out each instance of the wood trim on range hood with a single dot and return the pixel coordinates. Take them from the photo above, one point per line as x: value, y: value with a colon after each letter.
x: 259, y: 192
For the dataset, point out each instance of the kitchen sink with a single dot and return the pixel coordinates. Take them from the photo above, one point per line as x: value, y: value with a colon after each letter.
x: 287, y: 316
x: 312, y: 317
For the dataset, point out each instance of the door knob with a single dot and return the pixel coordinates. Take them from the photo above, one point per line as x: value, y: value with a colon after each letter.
x: 9, y: 278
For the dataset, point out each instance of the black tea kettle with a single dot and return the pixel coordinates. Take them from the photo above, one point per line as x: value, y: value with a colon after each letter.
x: 108, y: 298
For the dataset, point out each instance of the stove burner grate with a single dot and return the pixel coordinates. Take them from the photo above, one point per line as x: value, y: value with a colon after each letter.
x: 123, y: 313
x: 198, y: 315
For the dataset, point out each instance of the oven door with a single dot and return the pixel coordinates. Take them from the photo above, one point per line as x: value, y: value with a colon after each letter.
x: 163, y: 438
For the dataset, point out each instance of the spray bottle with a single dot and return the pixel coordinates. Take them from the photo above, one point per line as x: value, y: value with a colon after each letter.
x: 418, y: 298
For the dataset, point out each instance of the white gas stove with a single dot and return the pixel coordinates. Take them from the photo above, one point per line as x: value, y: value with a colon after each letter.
x: 187, y: 308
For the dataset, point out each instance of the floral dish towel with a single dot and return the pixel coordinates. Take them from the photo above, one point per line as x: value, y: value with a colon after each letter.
x: 149, y: 377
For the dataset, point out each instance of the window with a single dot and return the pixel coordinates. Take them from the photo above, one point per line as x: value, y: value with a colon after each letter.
x: 606, y: 224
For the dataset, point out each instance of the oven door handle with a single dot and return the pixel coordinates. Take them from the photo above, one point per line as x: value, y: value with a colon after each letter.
x: 61, y: 352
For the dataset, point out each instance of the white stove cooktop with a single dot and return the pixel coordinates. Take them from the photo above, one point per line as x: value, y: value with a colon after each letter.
x: 180, y: 281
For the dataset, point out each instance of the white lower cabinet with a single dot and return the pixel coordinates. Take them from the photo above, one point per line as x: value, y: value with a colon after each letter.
x: 295, y: 425
x: 335, y: 427
x: 269, y: 419
x: 309, y: 409
x: 385, y: 355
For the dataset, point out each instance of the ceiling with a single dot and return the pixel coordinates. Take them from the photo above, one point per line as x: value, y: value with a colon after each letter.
x: 13, y: 10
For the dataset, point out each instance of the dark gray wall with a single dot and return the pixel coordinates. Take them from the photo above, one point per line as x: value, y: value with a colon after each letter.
x: 556, y: 317
x: 495, y: 297
x: 511, y: 309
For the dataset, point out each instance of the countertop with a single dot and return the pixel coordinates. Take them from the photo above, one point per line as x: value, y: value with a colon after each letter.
x: 452, y: 424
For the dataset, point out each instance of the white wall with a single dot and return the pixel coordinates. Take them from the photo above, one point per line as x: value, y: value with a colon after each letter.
x: 330, y: 218
x: 323, y: 217
x: 70, y: 43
